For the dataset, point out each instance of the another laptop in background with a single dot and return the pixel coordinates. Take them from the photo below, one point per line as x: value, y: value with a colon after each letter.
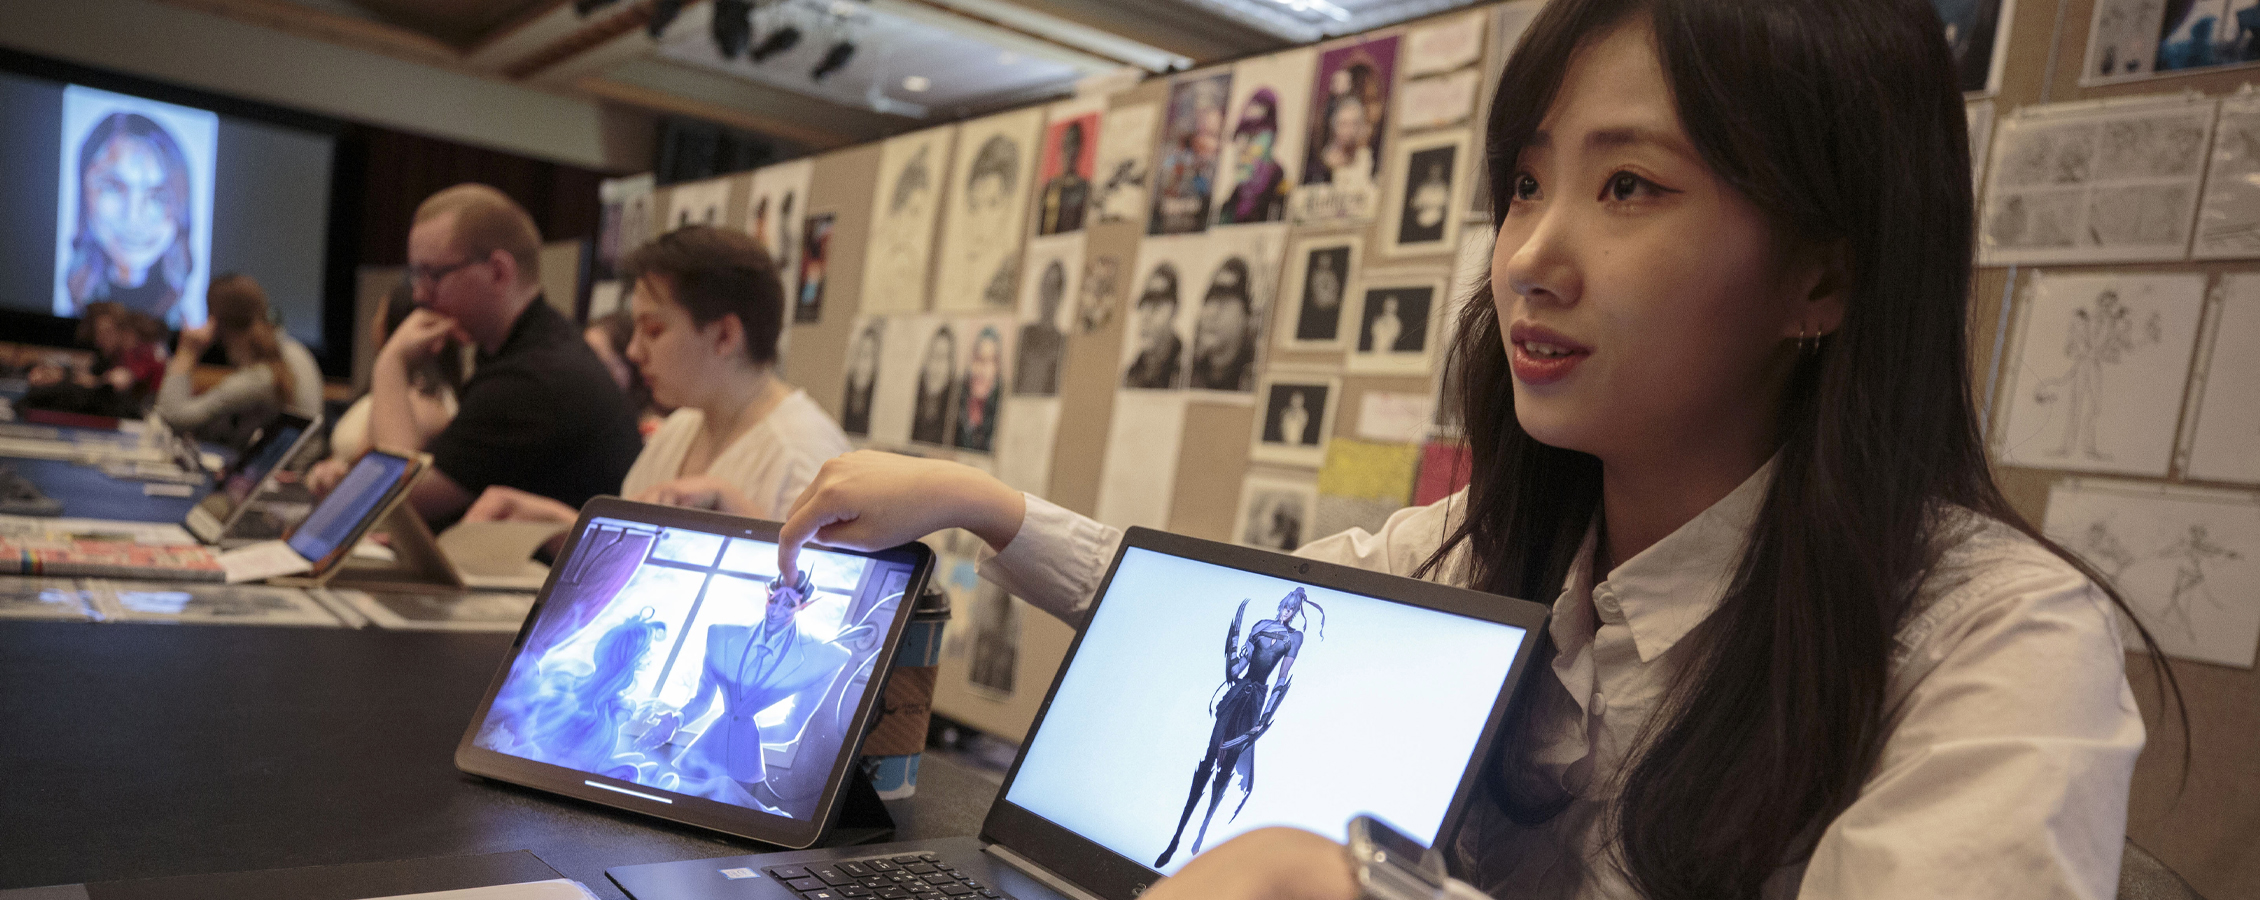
x: 221, y: 517
x: 1335, y: 692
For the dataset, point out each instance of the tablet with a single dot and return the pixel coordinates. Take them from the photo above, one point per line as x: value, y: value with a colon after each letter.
x: 367, y: 492
x: 281, y: 440
x: 666, y: 669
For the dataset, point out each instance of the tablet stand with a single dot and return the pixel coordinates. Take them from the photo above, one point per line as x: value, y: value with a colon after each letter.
x: 862, y: 818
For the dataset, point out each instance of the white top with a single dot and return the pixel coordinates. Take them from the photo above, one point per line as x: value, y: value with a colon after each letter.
x: 2013, y: 733
x: 247, y: 386
x: 770, y: 463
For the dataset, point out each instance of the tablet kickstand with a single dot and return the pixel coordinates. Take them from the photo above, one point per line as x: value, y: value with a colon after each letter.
x: 862, y: 817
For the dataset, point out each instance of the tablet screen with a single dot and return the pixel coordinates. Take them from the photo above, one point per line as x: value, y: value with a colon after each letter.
x: 661, y: 662
x: 340, y: 516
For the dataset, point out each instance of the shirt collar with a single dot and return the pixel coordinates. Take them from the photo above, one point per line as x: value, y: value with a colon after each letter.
x: 1663, y: 592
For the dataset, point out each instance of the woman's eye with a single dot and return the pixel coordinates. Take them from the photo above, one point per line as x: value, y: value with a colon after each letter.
x: 1625, y: 186
x: 1526, y: 187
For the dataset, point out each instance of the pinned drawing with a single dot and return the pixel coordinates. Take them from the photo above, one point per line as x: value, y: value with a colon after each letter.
x: 1054, y: 266
x: 698, y: 203
x: 2228, y: 219
x: 1424, y: 179
x: 1264, y: 148
x: 2134, y: 39
x: 903, y: 212
x: 1200, y: 310
x: 1980, y: 115
x: 2088, y: 185
x: 2187, y: 560
x: 1100, y: 294
x: 2225, y: 443
x: 777, y: 216
x: 1976, y: 35
x: 1350, y: 108
x: 1445, y: 44
x: 1298, y: 418
x: 1192, y: 134
x: 1396, y: 324
x: 1316, y: 290
x: 862, y: 382
x: 1126, y: 138
x: 1275, y: 512
x: 986, y: 212
x: 2098, y: 372
x: 983, y: 361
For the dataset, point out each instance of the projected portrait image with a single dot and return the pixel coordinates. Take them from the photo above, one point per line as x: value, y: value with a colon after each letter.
x: 134, y: 218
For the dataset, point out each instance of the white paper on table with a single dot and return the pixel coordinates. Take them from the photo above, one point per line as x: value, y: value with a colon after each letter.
x: 1397, y: 418
x: 263, y: 560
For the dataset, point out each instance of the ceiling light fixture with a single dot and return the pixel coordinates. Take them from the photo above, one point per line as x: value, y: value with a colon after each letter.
x: 834, y: 60
x: 778, y: 41
x: 732, y: 27
x: 916, y: 84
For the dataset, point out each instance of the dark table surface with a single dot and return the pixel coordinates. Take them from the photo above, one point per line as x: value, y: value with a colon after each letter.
x: 134, y: 751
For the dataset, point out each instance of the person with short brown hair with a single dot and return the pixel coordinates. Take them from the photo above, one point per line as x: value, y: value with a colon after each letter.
x: 707, y: 308
x: 273, y: 372
x: 540, y: 413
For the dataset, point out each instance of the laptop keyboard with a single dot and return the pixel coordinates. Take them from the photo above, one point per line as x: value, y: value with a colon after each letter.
x: 908, y: 876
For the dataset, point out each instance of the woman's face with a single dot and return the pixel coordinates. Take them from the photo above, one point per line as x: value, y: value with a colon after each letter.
x: 125, y: 194
x: 678, y: 358
x: 981, y: 370
x: 1645, y: 303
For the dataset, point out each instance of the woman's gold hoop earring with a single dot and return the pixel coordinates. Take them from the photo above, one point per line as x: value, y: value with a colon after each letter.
x: 1808, y: 341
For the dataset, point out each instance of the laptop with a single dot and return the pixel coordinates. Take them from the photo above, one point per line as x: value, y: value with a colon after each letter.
x: 224, y: 517
x: 1212, y: 690
x: 669, y: 669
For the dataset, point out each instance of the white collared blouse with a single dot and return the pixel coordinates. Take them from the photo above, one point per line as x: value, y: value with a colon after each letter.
x: 2012, y: 732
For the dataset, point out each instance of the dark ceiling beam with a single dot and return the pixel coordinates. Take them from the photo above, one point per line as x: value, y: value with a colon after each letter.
x: 1177, y: 27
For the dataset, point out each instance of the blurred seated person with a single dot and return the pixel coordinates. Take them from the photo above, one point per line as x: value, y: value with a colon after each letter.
x: 129, y: 361
x: 608, y: 335
x: 272, y: 372
x: 708, y: 307
x: 539, y: 413
x: 432, y: 400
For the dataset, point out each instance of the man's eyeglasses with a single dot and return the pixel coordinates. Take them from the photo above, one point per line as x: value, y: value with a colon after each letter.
x: 432, y: 274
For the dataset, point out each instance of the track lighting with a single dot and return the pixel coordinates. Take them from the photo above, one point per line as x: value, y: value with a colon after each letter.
x: 834, y: 60
x: 732, y: 27
x: 778, y: 41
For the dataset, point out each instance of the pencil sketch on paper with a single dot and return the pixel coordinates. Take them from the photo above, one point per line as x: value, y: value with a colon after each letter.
x: 2187, y: 560
x: 2228, y: 218
x: 2123, y: 39
x: 2225, y: 440
x: 2099, y: 371
x: 2107, y: 185
x: 903, y: 213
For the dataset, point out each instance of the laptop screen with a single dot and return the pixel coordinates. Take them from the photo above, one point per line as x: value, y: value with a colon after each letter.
x: 237, y: 482
x: 338, y: 517
x: 659, y: 658
x: 1205, y: 701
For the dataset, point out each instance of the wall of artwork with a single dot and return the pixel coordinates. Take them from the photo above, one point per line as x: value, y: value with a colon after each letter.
x: 1215, y: 302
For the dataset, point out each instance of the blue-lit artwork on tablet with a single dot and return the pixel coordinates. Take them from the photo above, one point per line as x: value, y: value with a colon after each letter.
x: 678, y: 660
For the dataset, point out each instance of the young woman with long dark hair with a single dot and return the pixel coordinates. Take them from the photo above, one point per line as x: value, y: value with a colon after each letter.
x: 1718, y: 398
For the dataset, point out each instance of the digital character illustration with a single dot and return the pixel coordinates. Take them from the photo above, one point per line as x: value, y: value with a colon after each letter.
x: 1247, y: 704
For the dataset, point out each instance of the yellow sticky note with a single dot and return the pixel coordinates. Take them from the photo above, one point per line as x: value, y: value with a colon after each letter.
x: 1368, y: 470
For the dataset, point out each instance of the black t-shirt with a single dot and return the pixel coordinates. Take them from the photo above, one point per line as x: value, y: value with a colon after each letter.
x: 542, y: 415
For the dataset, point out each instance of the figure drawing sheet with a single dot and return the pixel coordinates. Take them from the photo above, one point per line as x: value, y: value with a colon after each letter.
x: 987, y: 212
x: 2096, y: 378
x: 900, y: 244
x: 1185, y: 161
x: 1425, y: 175
x: 1263, y: 140
x: 1048, y: 287
x: 2186, y: 560
x: 1200, y: 308
x: 1315, y: 290
x: 1138, y: 478
x: 2225, y: 445
x: 2095, y: 184
x: 1125, y: 167
x: 1351, y: 104
x: 1297, y: 410
x: 776, y: 215
x: 698, y: 203
x: 1065, y: 186
x: 2131, y: 40
x: 2228, y: 218
x: 1275, y: 512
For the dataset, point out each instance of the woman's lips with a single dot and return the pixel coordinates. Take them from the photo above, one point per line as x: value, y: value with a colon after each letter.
x: 1541, y: 356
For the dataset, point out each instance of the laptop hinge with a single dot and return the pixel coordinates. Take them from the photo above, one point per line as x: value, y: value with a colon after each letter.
x: 1032, y: 870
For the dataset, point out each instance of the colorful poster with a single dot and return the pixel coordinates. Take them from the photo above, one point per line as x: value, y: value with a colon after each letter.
x: 134, y: 214
x: 1349, y: 120
x: 1192, y: 133
x: 1125, y: 170
x: 987, y: 209
x: 1264, y: 152
x: 815, y: 253
x: 1070, y: 156
x: 2135, y: 39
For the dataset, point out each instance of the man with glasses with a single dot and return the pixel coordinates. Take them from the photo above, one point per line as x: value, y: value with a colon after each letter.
x: 540, y: 413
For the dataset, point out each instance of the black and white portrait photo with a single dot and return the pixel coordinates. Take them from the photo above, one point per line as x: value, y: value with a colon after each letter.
x: 1158, y: 360
x: 1424, y: 186
x: 1275, y: 513
x: 1224, y: 335
x: 862, y: 378
x: 1396, y: 324
x: 1298, y: 414
x: 937, y: 376
x: 1318, y: 282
